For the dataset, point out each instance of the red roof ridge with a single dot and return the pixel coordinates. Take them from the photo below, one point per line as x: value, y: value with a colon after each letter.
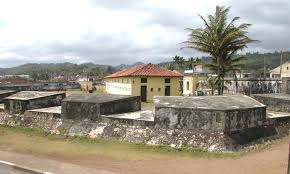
x: 145, y: 70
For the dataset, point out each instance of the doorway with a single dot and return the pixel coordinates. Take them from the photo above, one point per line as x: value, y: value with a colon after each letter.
x: 143, y: 93
x: 167, y: 91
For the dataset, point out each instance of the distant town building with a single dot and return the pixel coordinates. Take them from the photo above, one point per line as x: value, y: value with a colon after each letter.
x: 198, y: 69
x: 244, y: 75
x: 11, y: 76
x: 193, y: 78
x: 144, y: 80
x: 285, y: 71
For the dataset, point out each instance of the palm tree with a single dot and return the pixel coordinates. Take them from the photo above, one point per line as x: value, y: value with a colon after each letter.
x: 190, y: 63
x: 176, y: 59
x: 179, y: 61
x: 221, y: 40
x: 170, y: 66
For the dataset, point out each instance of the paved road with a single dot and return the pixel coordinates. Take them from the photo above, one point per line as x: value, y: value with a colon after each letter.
x: 4, y: 170
x: 47, y: 165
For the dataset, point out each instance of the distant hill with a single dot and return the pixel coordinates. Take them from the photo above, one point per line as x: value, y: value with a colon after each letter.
x: 44, y: 71
x: 54, y: 67
x: 254, y: 62
x: 124, y: 66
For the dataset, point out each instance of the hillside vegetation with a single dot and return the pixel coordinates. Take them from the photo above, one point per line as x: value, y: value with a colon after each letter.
x: 253, y: 62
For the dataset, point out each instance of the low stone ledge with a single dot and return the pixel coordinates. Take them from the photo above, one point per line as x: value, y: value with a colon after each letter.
x: 276, y: 102
x: 116, y: 129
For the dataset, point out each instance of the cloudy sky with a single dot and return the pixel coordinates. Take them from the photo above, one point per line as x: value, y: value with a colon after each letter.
x: 124, y: 31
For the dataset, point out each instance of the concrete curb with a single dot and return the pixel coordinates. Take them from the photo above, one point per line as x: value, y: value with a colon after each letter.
x: 22, y: 168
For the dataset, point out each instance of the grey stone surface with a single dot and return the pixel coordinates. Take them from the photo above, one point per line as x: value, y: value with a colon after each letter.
x: 285, y: 85
x: 121, y: 131
x: 196, y: 122
x: 275, y: 102
x: 91, y: 106
x: 274, y: 114
x: 250, y: 86
x: 28, y: 95
x: 145, y: 115
x: 55, y: 110
x: 5, y: 93
x: 141, y: 131
x: 27, y: 100
x: 225, y: 102
x: 223, y: 113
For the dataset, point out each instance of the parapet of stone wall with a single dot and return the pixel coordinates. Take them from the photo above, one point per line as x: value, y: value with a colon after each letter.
x: 115, y: 130
x: 216, y: 113
x: 26, y: 100
x: 5, y: 93
x: 250, y: 86
x: 286, y: 85
x: 91, y: 106
x: 275, y: 102
x: 220, y: 123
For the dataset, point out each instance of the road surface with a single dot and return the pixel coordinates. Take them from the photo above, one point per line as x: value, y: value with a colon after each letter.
x: 6, y: 170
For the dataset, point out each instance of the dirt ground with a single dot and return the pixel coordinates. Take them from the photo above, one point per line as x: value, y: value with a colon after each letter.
x: 273, y: 160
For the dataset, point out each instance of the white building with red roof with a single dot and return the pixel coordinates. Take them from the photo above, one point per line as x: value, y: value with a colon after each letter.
x: 146, y: 80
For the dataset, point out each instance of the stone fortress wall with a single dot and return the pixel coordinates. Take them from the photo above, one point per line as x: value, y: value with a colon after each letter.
x: 250, y: 86
x: 220, y: 123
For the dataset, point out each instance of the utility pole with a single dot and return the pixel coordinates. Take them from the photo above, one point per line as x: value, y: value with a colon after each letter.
x: 281, y: 59
x: 264, y: 68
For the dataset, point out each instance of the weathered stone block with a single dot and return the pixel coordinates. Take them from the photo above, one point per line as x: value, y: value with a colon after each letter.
x: 217, y: 113
x: 5, y: 93
x: 285, y: 85
x: 275, y: 102
x: 26, y: 100
x: 91, y: 106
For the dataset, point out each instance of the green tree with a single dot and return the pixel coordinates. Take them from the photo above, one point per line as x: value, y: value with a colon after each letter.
x: 221, y: 40
x: 170, y: 66
x: 191, y: 62
x: 179, y: 61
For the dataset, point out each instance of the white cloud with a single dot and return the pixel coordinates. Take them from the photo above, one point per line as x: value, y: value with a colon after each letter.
x: 108, y: 32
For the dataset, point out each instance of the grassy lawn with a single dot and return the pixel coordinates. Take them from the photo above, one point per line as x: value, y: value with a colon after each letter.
x: 34, y: 141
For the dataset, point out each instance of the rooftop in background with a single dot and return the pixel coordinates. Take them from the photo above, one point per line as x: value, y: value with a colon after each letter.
x: 225, y: 102
x: 198, y: 69
x: 28, y: 95
x: 146, y: 70
x: 25, y: 76
x: 95, y: 98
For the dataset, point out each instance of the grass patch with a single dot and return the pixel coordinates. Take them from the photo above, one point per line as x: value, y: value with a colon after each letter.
x: 36, y: 141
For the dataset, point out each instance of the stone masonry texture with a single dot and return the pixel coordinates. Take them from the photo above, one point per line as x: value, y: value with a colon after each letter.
x: 91, y: 106
x: 176, y: 125
x: 19, y: 103
x: 223, y: 113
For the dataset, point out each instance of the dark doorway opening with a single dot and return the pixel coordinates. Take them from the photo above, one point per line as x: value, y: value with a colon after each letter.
x: 143, y: 93
x: 167, y: 91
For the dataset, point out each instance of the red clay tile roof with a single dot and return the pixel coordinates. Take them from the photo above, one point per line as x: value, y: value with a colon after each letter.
x: 146, y: 70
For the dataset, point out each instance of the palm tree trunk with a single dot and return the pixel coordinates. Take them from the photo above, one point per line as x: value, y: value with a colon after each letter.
x: 219, y: 77
x: 236, y: 82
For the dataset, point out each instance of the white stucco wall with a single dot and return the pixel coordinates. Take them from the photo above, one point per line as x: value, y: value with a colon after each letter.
x: 118, y: 88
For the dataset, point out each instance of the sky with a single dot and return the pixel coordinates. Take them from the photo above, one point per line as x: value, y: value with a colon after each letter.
x: 125, y: 31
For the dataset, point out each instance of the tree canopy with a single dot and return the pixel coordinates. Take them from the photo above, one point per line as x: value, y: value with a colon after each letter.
x: 221, y: 40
